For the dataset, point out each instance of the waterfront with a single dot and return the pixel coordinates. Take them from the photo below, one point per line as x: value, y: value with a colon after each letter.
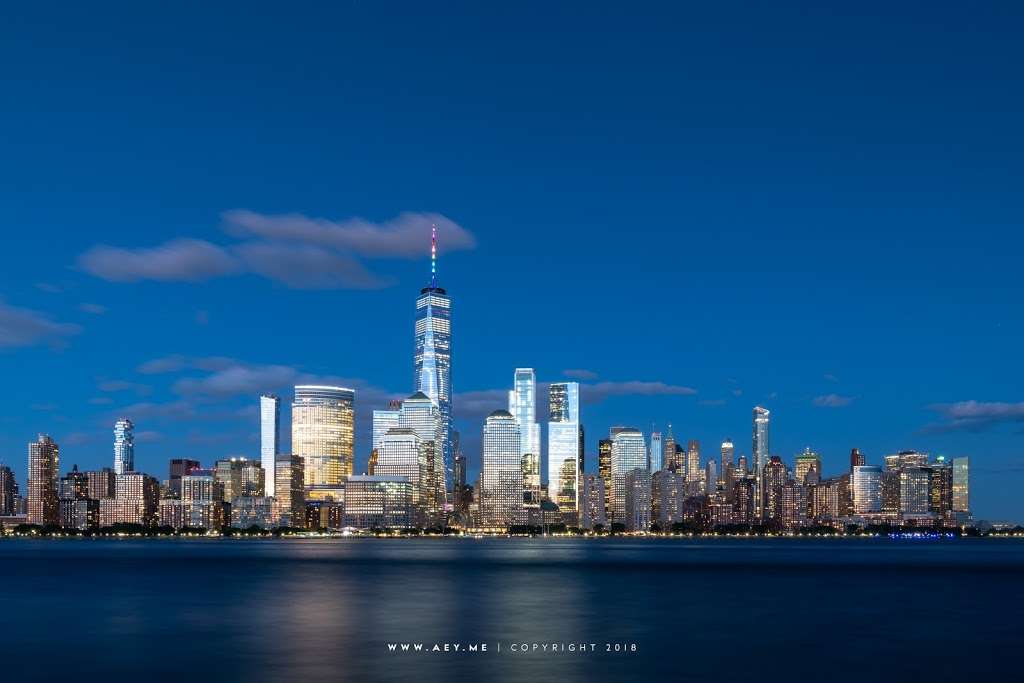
x: 708, y: 609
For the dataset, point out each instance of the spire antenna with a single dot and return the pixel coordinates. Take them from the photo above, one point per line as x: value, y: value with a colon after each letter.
x: 433, y: 254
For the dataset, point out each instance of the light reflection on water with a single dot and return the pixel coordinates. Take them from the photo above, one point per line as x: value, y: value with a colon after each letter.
x: 325, y: 609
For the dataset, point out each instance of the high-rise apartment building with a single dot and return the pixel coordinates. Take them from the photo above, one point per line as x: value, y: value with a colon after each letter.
x: 637, y: 499
x: 323, y: 423
x: 726, y: 464
x: 270, y: 437
x: 760, y: 453
x: 8, y: 491
x: 43, y: 471
x: 136, y: 501
x: 668, y: 491
x: 593, y: 509
x: 290, y: 490
x: 773, y: 478
x: 240, y: 477
x: 124, y: 446
x: 179, y: 468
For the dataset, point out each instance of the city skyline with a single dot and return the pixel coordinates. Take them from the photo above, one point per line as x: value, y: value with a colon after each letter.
x: 840, y: 253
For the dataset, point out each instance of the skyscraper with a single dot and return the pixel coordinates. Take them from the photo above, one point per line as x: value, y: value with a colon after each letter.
x: 856, y: 458
x: 402, y: 454
x: 124, y: 446
x: 866, y: 485
x: 629, y: 452
x: 693, y: 470
x: 178, y: 469
x: 604, y: 470
x: 637, y: 497
x: 8, y: 491
x: 805, y: 462
x: 668, y: 460
x: 501, y: 472
x: 522, y: 404
x: 564, y: 437
x: 657, y: 452
x: 961, y: 485
x: 290, y: 490
x: 43, y: 471
x: 760, y: 454
x: 270, y: 437
x: 727, y: 463
x: 322, y: 435
x: 432, y: 362
x: 593, y: 510
x: 773, y: 478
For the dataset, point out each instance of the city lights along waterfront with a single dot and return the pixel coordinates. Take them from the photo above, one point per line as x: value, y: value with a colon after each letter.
x: 412, y: 478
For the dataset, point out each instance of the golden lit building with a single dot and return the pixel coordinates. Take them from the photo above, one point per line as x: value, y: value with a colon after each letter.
x: 323, y: 436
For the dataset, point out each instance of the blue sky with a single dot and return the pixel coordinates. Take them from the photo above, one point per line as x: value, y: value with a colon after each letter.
x: 700, y: 208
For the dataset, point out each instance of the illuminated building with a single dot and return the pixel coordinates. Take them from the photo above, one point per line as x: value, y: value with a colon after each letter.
x: 741, y: 466
x: 322, y: 434
x: 124, y: 446
x: 179, y: 468
x: 592, y: 504
x: 637, y: 497
x: 793, y: 504
x: 77, y: 510
x: 719, y: 509
x: 941, y: 488
x: 136, y: 501
x: 378, y: 502
x: 565, y: 444
x: 403, y: 454
x: 915, y: 498
x: 669, y: 460
x: 668, y: 489
x: 8, y: 491
x: 270, y: 437
x: 460, y: 491
x: 501, y: 472
x: 773, y: 478
x: 522, y: 404
x: 43, y: 470
x: 890, y: 492
x: 693, y: 470
x: 726, y: 464
x: 203, y: 499
x: 759, y: 453
x: 824, y: 501
x: 171, y: 512
x: 805, y: 463
x: 604, y: 470
x: 423, y: 417
x: 866, y: 487
x: 322, y: 515
x: 250, y: 511
x: 432, y: 362
x: 744, y: 500
x: 856, y: 458
x: 629, y: 452
x: 656, y: 452
x: 290, y: 491
x: 961, y: 485
x: 239, y: 477
x: 710, y: 478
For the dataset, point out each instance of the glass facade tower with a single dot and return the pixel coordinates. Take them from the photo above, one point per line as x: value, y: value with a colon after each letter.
x: 124, y: 446
x: 759, y: 452
x: 522, y: 404
x: 564, y: 445
x: 270, y: 438
x: 501, y: 473
x: 629, y: 452
x: 322, y: 433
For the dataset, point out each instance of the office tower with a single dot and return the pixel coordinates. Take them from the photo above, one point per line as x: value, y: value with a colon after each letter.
x: 270, y: 437
x: 693, y: 470
x: 866, y: 489
x: 323, y: 436
x: 773, y: 478
x: 856, y: 458
x: 43, y: 468
x: 432, y: 362
x: 710, y: 477
x: 629, y: 452
x: 136, y: 501
x: 522, y: 404
x: 378, y: 502
x: 253, y: 511
x: 124, y: 446
x: 805, y: 462
x: 180, y: 467
x: 915, y: 496
x: 593, y: 512
x: 941, y: 488
x: 403, y: 454
x: 604, y: 470
x: 240, y: 477
x: 726, y: 464
x: 889, y: 490
x: 637, y: 483
x: 669, y: 460
x: 460, y: 497
x: 8, y: 491
x: 421, y: 415
x: 668, y: 490
x: 961, y: 485
x: 501, y: 472
x: 383, y: 420
x: 564, y: 446
x: 290, y: 490
x: 656, y: 452
x: 759, y: 453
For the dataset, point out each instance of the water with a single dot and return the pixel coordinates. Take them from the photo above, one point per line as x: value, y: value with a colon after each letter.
x: 313, y: 610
